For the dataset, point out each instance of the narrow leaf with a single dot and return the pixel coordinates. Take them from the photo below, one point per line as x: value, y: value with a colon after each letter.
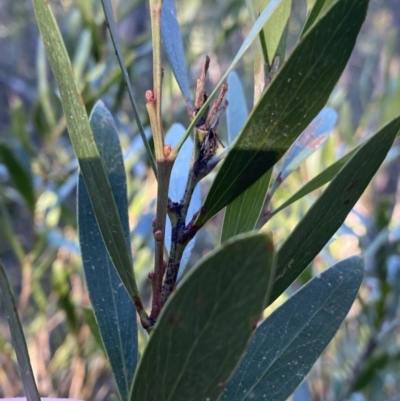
x: 18, y: 338
x: 107, y: 8
x: 273, y: 30
x: 90, y: 319
x: 318, y: 8
x: 172, y: 40
x: 21, y: 178
x: 289, y: 104
x: 206, y: 324
x: 92, y: 168
x: 113, y: 308
x: 287, y: 343
x: 329, y: 212
x: 318, y: 181
x: 242, y: 213
x: 306, y: 144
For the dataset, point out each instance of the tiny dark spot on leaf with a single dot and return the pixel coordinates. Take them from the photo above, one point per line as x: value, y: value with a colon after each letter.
x: 346, y: 202
x: 351, y: 185
x: 201, y: 304
x: 174, y: 318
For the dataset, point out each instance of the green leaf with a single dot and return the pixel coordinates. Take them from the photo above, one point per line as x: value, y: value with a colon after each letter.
x: 329, y: 212
x: 90, y: 319
x: 287, y: 343
x: 243, y: 212
x: 21, y: 178
x: 92, y: 168
x: 274, y: 29
x: 18, y: 125
x: 18, y: 338
x: 206, y: 324
x: 318, y: 9
x: 113, y: 308
x: 108, y: 11
x: 323, y: 178
x: 306, y: 144
x: 172, y: 40
x: 318, y: 181
x: 303, y: 147
x: 289, y: 104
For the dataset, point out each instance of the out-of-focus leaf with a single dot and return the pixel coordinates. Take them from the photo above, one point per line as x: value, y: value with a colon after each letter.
x: 91, y: 165
x: 289, y: 104
x: 18, y: 128
x: 321, y: 179
x: 206, y: 324
x: 236, y: 113
x: 113, y: 308
x: 7, y: 230
x: 287, y: 343
x: 302, y: 393
x: 319, y: 7
x: 45, y: 95
x: 327, y: 175
x: 22, y: 178
x: 60, y: 280
x: 310, y: 4
x: 306, y: 144
x: 179, y: 176
x: 373, y: 367
x: 90, y: 319
x: 108, y: 11
x: 172, y: 40
x: 390, y: 100
x: 82, y: 55
x: 273, y: 30
x: 18, y: 338
x: 86, y: 9
x: 329, y: 212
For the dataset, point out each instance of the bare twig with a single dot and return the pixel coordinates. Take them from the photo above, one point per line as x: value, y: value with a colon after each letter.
x: 206, y: 143
x: 164, y: 159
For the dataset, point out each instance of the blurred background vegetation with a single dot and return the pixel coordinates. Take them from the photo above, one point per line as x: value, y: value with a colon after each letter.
x: 38, y: 175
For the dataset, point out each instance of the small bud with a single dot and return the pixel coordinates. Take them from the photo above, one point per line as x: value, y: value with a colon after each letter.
x: 158, y: 235
x: 153, y: 223
x: 167, y: 150
x: 151, y: 276
x: 149, y: 95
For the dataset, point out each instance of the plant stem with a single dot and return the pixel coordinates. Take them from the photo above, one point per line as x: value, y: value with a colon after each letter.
x: 178, y: 245
x: 155, y: 15
x: 164, y: 173
x: 108, y: 12
x: 163, y: 159
x: 203, y: 151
